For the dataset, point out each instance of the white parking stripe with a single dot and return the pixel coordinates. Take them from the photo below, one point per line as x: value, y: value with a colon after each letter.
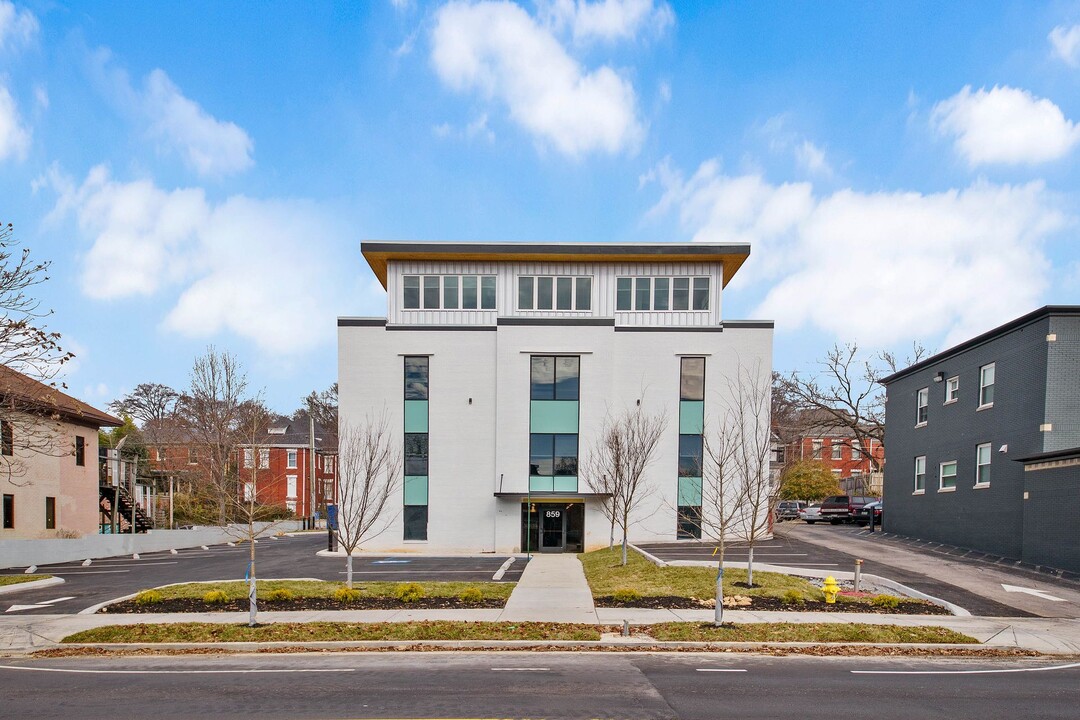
x: 720, y: 670
x: 176, y: 672
x: 964, y: 672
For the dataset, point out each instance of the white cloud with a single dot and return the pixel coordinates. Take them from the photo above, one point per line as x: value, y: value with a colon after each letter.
x: 477, y: 127
x: 500, y: 51
x: 17, y: 27
x: 607, y: 19
x: 1065, y: 43
x: 255, y: 268
x: 783, y: 140
x: 209, y: 146
x: 812, y: 159
x: 883, y: 267
x: 14, y: 135
x: 1005, y: 125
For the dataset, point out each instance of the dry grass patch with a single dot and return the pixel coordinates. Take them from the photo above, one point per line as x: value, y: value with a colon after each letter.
x: 606, y: 576
x: 238, y: 590
x: 325, y: 631
x: 806, y: 632
x: 16, y: 579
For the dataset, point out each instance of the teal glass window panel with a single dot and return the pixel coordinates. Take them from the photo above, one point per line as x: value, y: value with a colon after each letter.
x: 565, y: 483
x: 487, y: 292
x: 689, y: 491
x: 553, y: 416
x: 542, y: 484
x: 624, y: 294
x: 416, y: 490
x: 416, y: 416
x: 691, y: 417
x: 468, y: 292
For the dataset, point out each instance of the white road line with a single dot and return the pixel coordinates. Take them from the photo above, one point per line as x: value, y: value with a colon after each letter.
x: 520, y: 669
x: 89, y: 572
x: 720, y: 670
x: 114, y: 565
x: 502, y: 569
x: 177, y: 672
x: 964, y: 672
x: 409, y: 572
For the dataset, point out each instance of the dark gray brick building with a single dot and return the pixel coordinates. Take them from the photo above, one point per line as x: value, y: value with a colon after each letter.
x: 982, y: 442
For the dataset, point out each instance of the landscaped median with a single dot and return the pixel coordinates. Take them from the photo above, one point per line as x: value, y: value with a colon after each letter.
x: 642, y: 584
x: 6, y: 580
x: 285, y: 595
x: 528, y: 631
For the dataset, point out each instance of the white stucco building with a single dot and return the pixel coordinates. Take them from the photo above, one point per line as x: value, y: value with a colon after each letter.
x: 498, y: 364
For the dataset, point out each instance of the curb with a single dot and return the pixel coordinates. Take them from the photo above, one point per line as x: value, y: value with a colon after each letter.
x: 94, y: 608
x: 44, y: 582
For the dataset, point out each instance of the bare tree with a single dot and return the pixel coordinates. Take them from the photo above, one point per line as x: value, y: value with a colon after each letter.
x: 211, y: 411
x: 323, y: 408
x: 847, y: 389
x: 618, y: 463
x: 31, y: 357
x: 738, y: 490
x: 369, y: 473
x: 149, y: 403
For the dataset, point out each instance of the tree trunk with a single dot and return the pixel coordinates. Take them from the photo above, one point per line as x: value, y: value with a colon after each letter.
x: 750, y: 567
x: 718, y: 612
x: 348, y: 569
x: 611, y: 536
x: 253, y: 607
x: 624, y: 548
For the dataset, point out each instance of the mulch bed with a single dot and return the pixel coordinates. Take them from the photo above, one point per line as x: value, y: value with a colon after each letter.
x: 675, y: 602
x: 195, y: 605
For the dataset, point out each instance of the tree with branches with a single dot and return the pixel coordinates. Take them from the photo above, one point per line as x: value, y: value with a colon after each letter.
x: 618, y: 464
x: 369, y: 474
x: 149, y: 403
x: 32, y: 358
x: 322, y: 407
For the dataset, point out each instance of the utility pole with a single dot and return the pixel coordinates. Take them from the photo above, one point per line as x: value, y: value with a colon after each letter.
x: 311, y: 467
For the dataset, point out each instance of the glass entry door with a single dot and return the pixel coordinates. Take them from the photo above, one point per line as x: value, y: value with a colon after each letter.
x: 552, y: 528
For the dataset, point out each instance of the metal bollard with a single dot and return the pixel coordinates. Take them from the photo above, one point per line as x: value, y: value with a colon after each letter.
x: 858, y: 574
x: 626, y: 628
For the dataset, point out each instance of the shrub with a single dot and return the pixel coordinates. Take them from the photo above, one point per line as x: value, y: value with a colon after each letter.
x: 408, y: 592
x: 885, y: 601
x: 793, y: 597
x: 347, y: 595
x: 280, y: 594
x: 148, y: 597
x: 626, y: 595
x: 216, y: 597
x: 471, y: 595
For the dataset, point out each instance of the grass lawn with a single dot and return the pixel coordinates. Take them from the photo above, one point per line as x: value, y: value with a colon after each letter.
x: 606, y: 575
x: 806, y: 632
x: 238, y: 590
x: 322, y: 631
x: 16, y: 579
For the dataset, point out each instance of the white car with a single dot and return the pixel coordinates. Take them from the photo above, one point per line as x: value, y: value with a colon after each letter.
x: 810, y: 514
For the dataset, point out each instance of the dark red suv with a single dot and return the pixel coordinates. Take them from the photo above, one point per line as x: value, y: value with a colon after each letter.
x: 842, y: 508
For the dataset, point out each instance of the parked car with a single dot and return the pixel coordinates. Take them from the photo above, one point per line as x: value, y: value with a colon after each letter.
x: 789, y: 509
x: 810, y: 514
x: 862, y: 515
x: 842, y: 508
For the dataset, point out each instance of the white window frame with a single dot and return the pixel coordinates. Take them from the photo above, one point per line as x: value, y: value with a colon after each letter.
x: 837, y: 450
x: 249, y: 457
x: 856, y: 449
x: 555, y: 293
x: 922, y: 405
x: 979, y: 464
x: 264, y: 458
x: 952, y: 390
x: 291, y: 459
x: 290, y: 487
x: 941, y: 476
x: 920, y: 487
x: 670, y: 292
x: 248, y: 489
x: 983, y: 385
x: 442, y: 290
x: 817, y: 449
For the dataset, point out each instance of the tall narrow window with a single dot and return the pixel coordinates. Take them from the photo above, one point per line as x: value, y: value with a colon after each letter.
x: 50, y: 513
x: 487, y: 292
x: 416, y: 481
x: 952, y: 389
x: 692, y: 379
x: 691, y: 441
x: 564, y: 293
x: 7, y: 438
x: 249, y: 458
x: 661, y: 293
x: 468, y: 292
x: 80, y: 450
x: 642, y: 293
x: 431, y: 292
x: 690, y: 455
x: 411, y: 292
x: 9, y: 512
x: 920, y: 473
x: 701, y: 293
x: 815, y: 449
x: 922, y: 402
x: 982, y: 465
x: 680, y: 295
x: 856, y: 450
x: 554, y: 378
x: 525, y: 293
x: 416, y: 454
x: 624, y: 294
x: 416, y: 378
x: 544, y: 292
x: 947, y: 476
x: 450, y: 292
x: 837, y: 450
x: 986, y: 385
x: 583, y: 293
x: 290, y: 459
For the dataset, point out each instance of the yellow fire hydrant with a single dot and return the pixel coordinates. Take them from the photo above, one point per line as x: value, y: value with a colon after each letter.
x: 830, y: 588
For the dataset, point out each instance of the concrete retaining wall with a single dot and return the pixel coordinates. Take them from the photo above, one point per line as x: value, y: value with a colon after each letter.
x: 23, y: 553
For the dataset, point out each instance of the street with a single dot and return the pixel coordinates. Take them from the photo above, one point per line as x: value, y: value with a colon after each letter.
x: 286, y: 557
x: 563, y: 685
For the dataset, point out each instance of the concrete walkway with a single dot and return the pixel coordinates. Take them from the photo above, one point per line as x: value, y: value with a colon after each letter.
x: 552, y: 589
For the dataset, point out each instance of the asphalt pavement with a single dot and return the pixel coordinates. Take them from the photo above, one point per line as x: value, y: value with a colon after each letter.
x: 553, y: 685
x: 285, y: 557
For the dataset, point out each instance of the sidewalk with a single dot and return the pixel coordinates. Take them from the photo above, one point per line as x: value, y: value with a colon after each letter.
x: 552, y: 589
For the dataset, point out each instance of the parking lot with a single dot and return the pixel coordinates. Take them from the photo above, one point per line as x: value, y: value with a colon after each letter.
x: 285, y: 557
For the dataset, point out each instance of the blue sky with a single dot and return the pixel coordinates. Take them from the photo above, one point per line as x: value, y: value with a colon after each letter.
x: 202, y: 172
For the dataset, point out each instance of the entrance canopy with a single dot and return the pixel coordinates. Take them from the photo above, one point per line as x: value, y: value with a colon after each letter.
x: 552, y: 496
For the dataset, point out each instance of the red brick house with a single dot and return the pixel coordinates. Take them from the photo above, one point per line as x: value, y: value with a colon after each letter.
x: 282, y: 462
x: 856, y: 465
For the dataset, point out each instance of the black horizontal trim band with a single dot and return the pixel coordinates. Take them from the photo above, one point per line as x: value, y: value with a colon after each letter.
x: 756, y: 324
x: 482, y: 328
x: 562, y: 321
x: 632, y: 328
x: 609, y: 249
x: 361, y: 322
